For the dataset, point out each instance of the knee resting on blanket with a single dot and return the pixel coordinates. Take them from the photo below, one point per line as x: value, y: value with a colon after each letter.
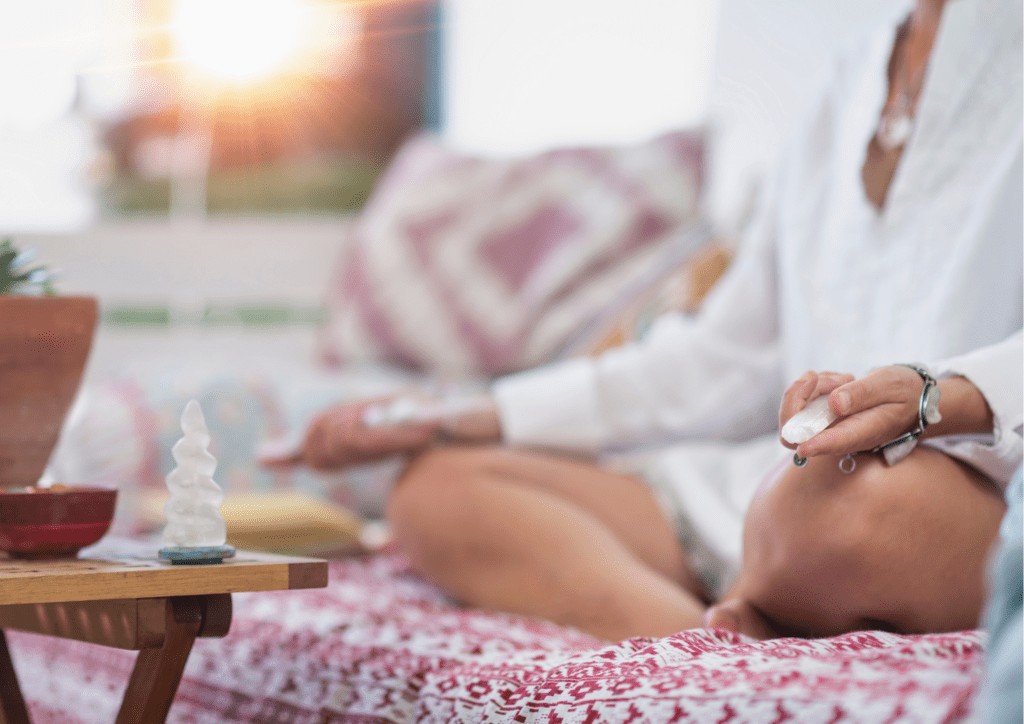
x: 884, y: 548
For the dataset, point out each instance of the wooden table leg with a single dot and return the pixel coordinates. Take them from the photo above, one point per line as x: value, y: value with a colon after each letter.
x: 12, y: 703
x: 157, y: 673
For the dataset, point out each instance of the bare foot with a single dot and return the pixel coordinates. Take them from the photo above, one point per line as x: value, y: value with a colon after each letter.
x: 739, y: 616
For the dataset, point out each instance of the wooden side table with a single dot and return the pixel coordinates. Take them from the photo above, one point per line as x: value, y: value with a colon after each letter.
x: 137, y: 602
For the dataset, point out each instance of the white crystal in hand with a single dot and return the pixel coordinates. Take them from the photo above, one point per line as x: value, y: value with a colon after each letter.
x: 808, y: 422
x: 193, y: 512
x: 406, y: 410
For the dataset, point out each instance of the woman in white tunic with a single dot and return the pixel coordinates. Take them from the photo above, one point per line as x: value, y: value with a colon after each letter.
x: 885, y: 242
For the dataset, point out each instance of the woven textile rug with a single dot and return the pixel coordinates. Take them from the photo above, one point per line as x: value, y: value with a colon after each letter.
x: 381, y: 645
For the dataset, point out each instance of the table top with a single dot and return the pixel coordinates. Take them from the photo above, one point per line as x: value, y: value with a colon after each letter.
x: 112, y: 571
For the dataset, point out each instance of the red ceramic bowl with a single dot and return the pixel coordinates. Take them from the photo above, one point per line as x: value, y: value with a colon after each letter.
x: 43, y: 523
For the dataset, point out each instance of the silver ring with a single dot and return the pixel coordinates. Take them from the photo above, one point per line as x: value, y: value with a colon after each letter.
x: 848, y: 458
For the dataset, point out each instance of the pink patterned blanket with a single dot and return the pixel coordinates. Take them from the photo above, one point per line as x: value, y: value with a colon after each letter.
x: 381, y: 645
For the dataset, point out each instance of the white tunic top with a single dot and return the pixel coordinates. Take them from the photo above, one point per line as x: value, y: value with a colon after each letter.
x: 828, y: 282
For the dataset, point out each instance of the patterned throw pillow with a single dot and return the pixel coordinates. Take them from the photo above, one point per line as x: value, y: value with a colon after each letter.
x: 463, y: 265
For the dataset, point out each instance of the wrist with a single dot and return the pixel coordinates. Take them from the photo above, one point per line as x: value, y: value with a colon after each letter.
x: 478, y: 424
x: 964, y: 410
x: 926, y: 413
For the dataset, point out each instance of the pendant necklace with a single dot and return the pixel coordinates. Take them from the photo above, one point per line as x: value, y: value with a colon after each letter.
x: 897, y: 122
x: 896, y: 125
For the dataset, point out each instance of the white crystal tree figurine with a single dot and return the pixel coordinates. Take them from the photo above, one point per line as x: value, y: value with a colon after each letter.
x: 193, y: 511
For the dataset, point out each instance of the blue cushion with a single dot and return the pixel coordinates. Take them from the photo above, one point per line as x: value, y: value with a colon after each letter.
x: 1002, y: 692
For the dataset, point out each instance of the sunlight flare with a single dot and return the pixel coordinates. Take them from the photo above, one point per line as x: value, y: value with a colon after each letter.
x: 240, y: 40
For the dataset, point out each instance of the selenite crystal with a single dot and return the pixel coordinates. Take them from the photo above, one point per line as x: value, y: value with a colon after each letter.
x: 931, y: 410
x: 807, y: 423
x: 193, y: 512
x: 412, y: 410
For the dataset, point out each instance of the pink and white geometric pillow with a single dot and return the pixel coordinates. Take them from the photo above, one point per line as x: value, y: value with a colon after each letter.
x: 463, y: 265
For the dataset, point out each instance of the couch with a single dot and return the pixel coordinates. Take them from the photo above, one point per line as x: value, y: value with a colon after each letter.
x: 552, y: 256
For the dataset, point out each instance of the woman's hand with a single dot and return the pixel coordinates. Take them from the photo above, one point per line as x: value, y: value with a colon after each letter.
x: 338, y: 437
x: 341, y: 436
x: 872, y: 411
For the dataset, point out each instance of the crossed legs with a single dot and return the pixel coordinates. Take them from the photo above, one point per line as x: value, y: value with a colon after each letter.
x: 545, y: 536
x: 900, y: 548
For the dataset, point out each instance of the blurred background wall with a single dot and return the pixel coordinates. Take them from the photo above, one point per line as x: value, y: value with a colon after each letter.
x: 194, y: 162
x: 132, y: 107
x: 524, y: 75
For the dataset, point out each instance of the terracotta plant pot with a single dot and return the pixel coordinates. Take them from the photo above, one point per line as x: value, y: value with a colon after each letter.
x: 44, y: 344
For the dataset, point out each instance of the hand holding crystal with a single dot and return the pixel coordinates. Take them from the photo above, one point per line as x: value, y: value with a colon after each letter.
x: 868, y: 412
x: 340, y: 436
x: 369, y: 430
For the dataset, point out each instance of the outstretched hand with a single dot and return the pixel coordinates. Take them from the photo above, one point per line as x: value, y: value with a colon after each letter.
x: 339, y: 437
x: 872, y: 410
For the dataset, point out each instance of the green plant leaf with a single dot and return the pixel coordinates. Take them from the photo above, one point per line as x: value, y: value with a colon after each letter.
x: 13, y: 281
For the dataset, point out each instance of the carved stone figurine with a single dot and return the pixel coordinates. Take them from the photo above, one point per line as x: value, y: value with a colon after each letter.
x: 196, y: 530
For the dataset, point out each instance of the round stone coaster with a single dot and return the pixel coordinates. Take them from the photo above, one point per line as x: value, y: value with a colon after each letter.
x: 199, y: 555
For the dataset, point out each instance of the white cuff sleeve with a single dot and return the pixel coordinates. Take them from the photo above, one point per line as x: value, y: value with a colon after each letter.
x: 555, y: 406
x: 997, y: 372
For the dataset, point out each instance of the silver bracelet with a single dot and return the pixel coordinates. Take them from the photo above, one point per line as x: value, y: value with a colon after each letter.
x: 927, y: 413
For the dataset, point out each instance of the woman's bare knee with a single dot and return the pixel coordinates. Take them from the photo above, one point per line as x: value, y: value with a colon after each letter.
x: 431, y: 510
x: 898, y: 547
x: 444, y: 465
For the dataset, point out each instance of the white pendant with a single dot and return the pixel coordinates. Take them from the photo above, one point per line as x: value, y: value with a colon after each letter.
x: 894, y: 130
x: 894, y: 453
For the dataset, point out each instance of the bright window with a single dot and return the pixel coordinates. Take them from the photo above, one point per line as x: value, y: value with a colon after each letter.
x: 525, y: 75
